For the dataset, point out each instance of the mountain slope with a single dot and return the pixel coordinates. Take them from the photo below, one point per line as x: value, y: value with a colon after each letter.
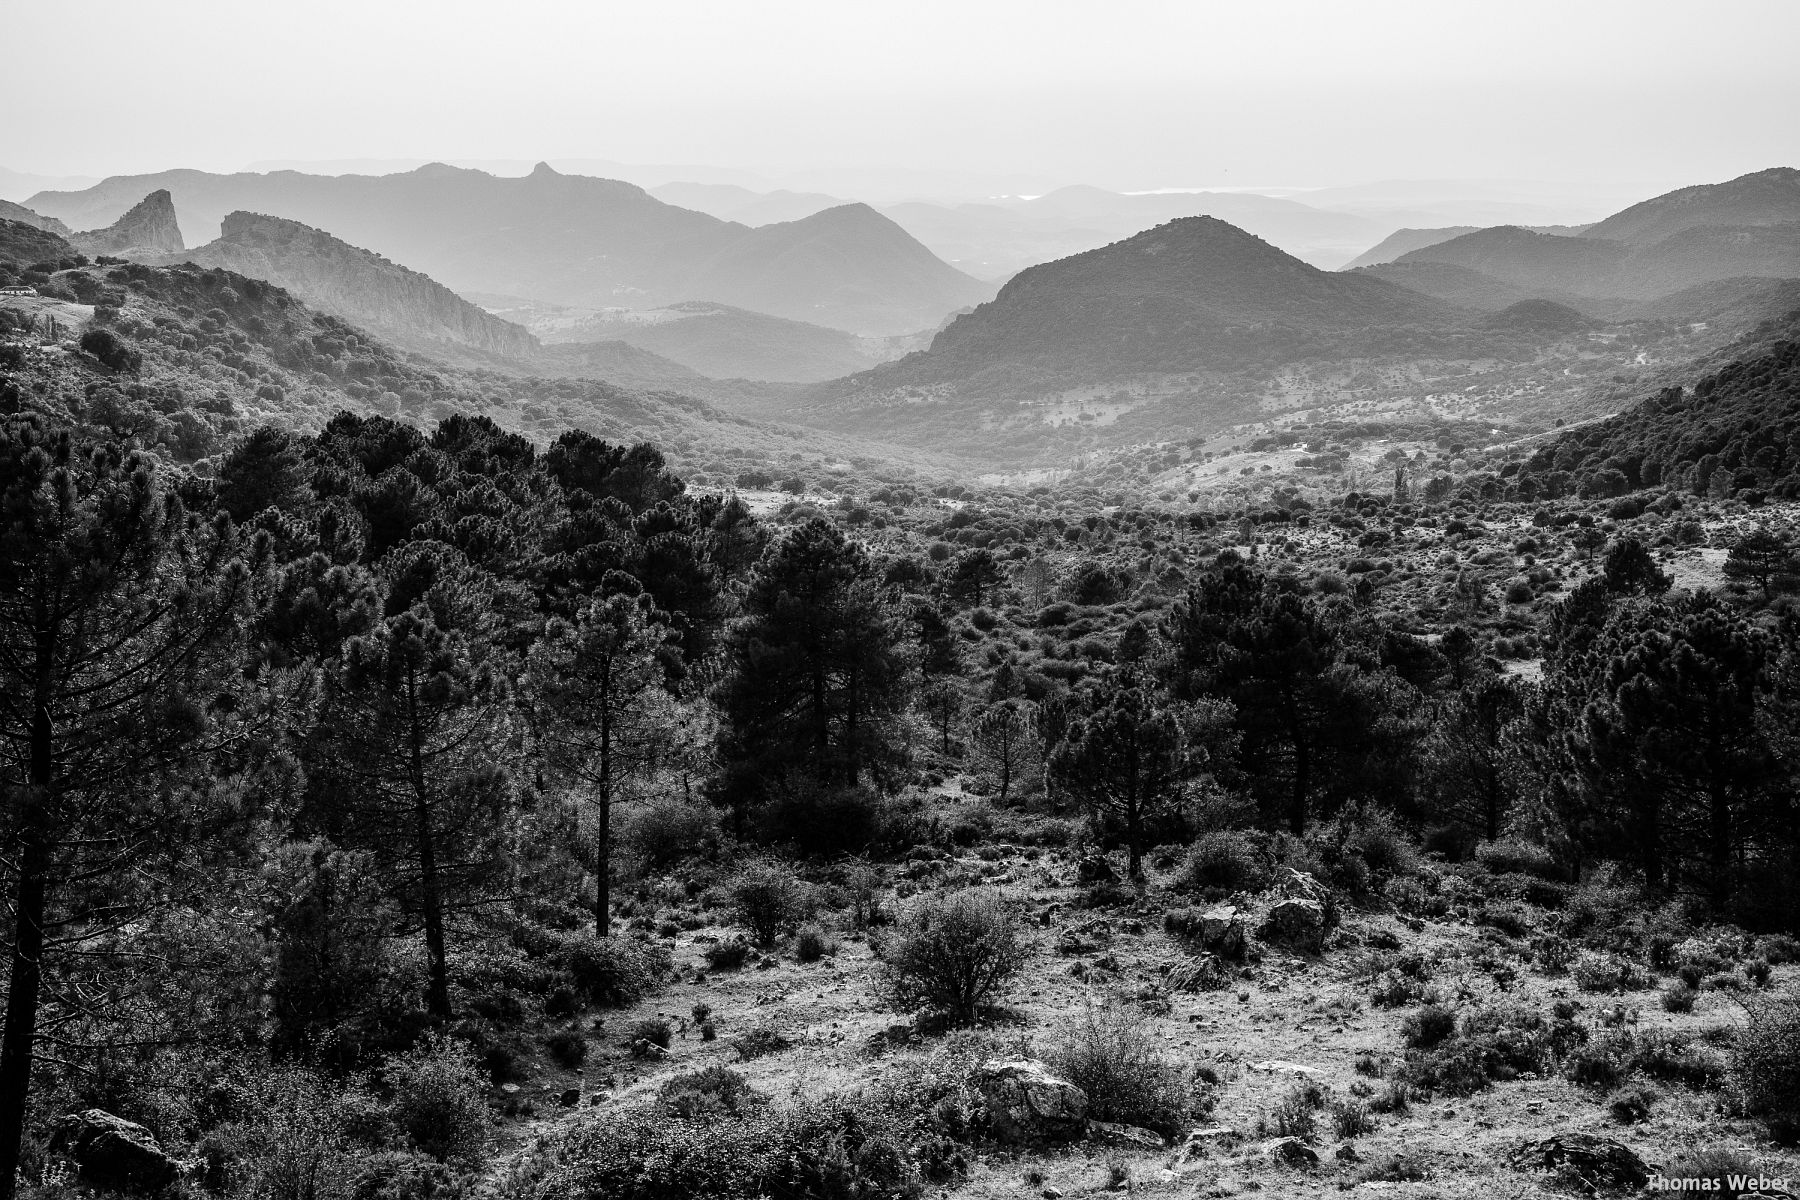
x: 24, y: 244
x: 1769, y: 197
x: 1195, y: 293
x: 409, y: 309
x: 148, y: 226
x: 18, y: 212
x: 1404, y: 241
x: 847, y: 267
x: 571, y: 239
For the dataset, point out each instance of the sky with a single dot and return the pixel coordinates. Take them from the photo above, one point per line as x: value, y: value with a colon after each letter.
x: 1015, y: 95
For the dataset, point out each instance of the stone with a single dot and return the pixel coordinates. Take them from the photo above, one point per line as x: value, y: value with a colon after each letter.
x: 1298, y: 924
x: 1347, y: 1153
x: 569, y: 1097
x: 1600, y: 1162
x: 1026, y: 1103
x: 1203, y: 1143
x: 1291, y: 1151
x: 111, y: 1152
x: 1123, y: 1137
x: 1222, y: 931
x: 1276, y: 1066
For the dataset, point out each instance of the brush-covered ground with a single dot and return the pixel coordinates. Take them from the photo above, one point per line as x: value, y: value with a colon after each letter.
x: 1454, y: 1013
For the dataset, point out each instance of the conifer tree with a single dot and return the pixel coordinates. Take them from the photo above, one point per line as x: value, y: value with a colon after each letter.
x: 121, y: 621
x: 597, y: 687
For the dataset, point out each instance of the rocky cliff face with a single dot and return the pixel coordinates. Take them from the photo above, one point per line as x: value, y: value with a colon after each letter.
x: 411, y: 310
x: 149, y: 228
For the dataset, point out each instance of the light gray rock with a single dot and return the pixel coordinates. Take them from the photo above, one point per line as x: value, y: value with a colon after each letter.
x: 1026, y: 1103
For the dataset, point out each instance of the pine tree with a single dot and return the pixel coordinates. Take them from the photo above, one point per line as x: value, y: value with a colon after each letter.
x: 418, y: 729
x: 1125, y: 760
x: 1006, y: 744
x: 596, y: 686
x: 121, y: 621
x: 1764, y: 556
x: 816, y: 667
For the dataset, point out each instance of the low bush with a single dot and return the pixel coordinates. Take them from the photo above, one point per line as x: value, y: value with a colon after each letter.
x: 1513, y: 857
x: 1428, y: 1027
x: 1119, y: 1063
x: 653, y: 1030
x: 728, y: 955
x: 1716, y: 1171
x: 612, y: 971
x: 567, y: 1047
x: 1350, y: 1118
x: 812, y: 943
x: 440, y: 1099
x: 952, y: 953
x: 1491, y: 1044
x: 709, y: 1094
x: 1765, y: 1065
x: 1630, y: 1105
x: 768, y: 899
x: 1602, y: 1063
x: 1594, y: 972
x: 669, y: 830
x: 1296, y: 1113
x: 1679, y: 997
x: 829, y: 1149
x: 1224, y: 860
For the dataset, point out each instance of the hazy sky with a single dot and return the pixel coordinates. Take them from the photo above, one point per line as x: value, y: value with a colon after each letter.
x: 1119, y: 93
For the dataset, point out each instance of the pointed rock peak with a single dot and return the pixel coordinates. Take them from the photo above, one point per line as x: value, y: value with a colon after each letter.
x: 545, y: 171
x: 149, y: 225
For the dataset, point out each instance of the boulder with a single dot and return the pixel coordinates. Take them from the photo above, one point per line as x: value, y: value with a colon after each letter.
x: 1026, y: 1103
x: 1298, y: 924
x: 1204, y: 1143
x: 1600, y: 1162
x: 1123, y: 1137
x: 569, y: 1097
x: 1221, y: 931
x: 111, y: 1152
x: 1291, y: 1151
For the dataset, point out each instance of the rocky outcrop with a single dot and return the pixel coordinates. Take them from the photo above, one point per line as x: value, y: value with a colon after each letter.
x: 1026, y: 1103
x: 1598, y: 1162
x: 149, y: 228
x: 113, y: 1153
x: 411, y: 310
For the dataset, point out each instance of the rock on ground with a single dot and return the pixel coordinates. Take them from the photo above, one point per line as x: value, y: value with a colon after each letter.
x: 112, y: 1152
x: 1025, y: 1102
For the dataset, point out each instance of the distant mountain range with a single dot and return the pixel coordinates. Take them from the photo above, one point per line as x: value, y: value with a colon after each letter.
x: 1404, y: 241
x: 578, y: 240
x: 1747, y: 227
x: 723, y: 342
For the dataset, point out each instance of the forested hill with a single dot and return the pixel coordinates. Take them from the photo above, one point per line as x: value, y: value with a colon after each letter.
x: 184, y: 358
x: 1735, y: 432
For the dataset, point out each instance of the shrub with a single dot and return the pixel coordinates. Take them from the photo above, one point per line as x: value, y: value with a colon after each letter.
x: 830, y: 1149
x: 1606, y: 973
x: 1428, y: 1027
x: 1717, y: 1170
x: 708, y: 1094
x: 1511, y: 856
x: 440, y: 1099
x: 1296, y: 1113
x: 1491, y: 1044
x: 1602, y: 1063
x: 1765, y: 1065
x: 760, y: 1041
x: 1110, y: 1055
x: 767, y: 898
x: 613, y: 971
x: 812, y: 943
x: 1553, y: 954
x: 1350, y: 1118
x: 952, y: 953
x: 728, y: 955
x: 1673, y: 1058
x: 668, y: 830
x: 1227, y: 860
x: 567, y: 1047
x: 1630, y: 1105
x: 1679, y: 997
x: 653, y: 1030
